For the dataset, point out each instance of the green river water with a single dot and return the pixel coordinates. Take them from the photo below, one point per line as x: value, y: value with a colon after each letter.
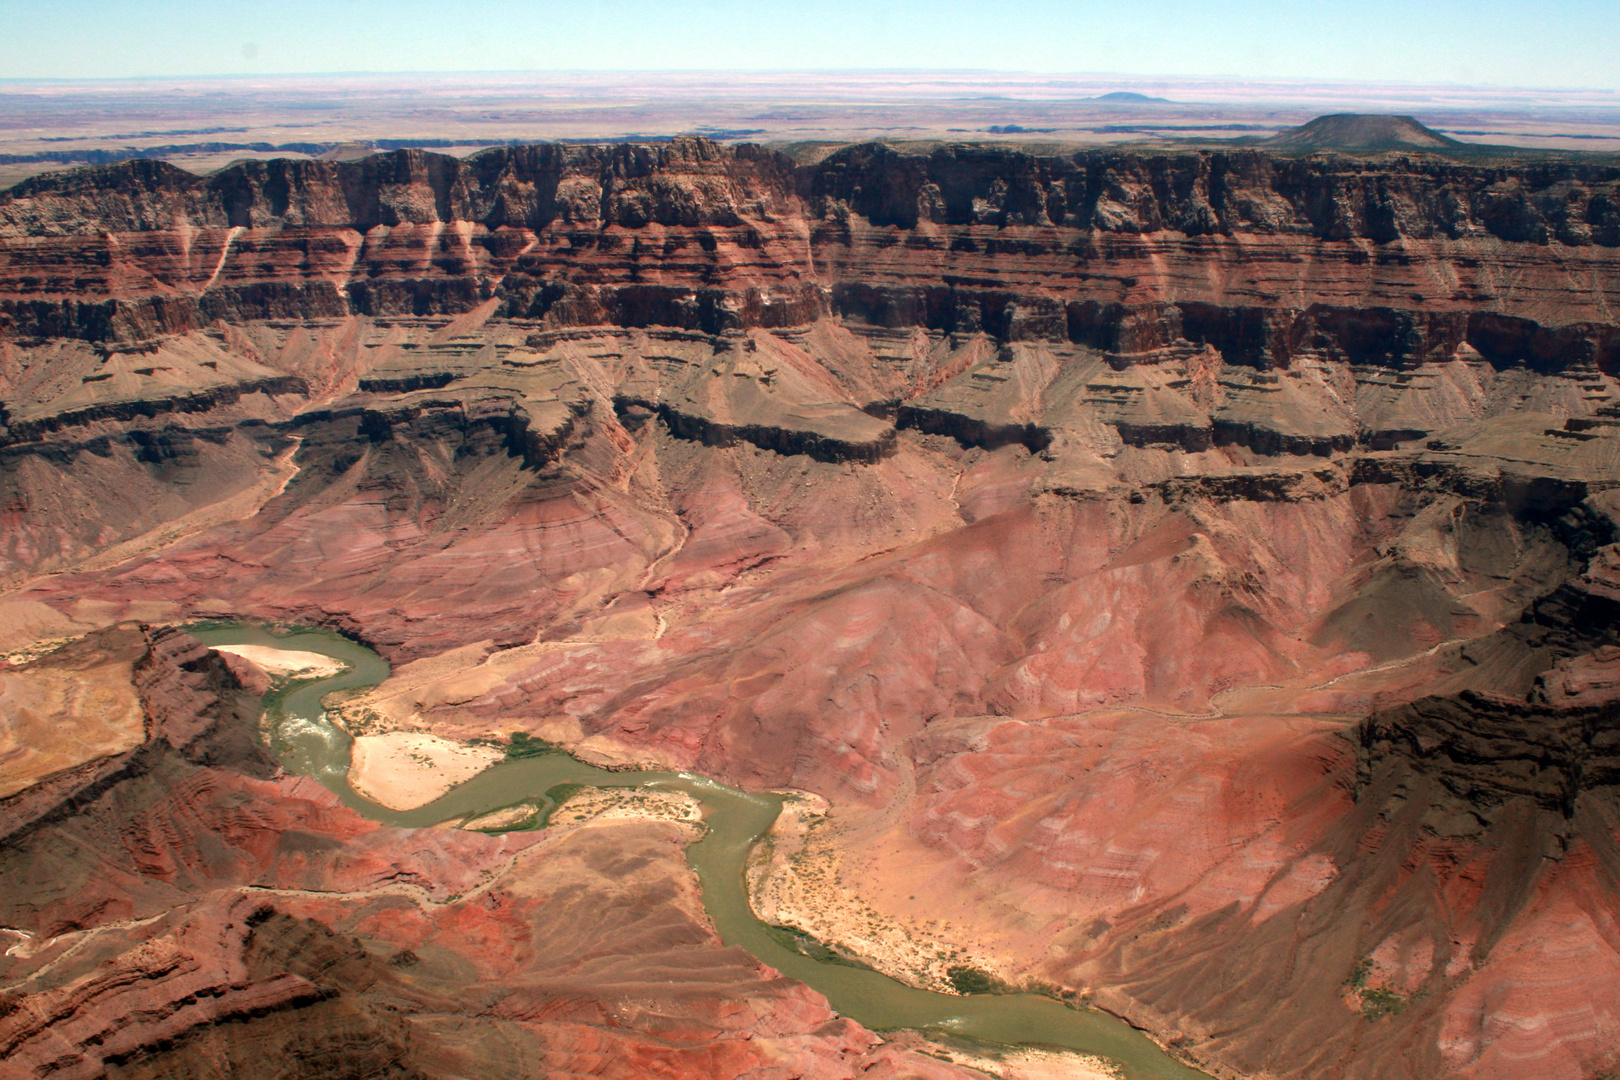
x: 305, y: 743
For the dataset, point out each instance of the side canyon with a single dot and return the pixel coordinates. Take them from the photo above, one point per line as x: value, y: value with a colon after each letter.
x: 1186, y: 582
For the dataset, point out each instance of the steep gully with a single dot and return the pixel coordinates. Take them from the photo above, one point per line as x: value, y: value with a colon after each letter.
x: 1198, y: 570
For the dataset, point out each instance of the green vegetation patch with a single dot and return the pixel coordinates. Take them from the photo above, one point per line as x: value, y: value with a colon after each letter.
x: 525, y: 745
x: 555, y: 796
x: 793, y: 939
x: 966, y: 979
x: 1056, y: 993
x: 561, y: 793
x: 1377, y: 1004
x: 520, y: 744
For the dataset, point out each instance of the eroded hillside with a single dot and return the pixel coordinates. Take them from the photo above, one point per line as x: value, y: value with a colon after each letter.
x: 1197, y: 572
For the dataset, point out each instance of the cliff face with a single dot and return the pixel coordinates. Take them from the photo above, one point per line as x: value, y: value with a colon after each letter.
x: 1198, y: 572
x: 1390, y: 261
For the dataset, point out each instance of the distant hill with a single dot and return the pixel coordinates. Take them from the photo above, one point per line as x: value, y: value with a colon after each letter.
x: 349, y: 151
x: 1362, y: 131
x: 1130, y: 97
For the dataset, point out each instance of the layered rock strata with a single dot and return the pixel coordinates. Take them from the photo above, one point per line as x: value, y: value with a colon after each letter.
x: 1196, y: 571
x: 1402, y: 260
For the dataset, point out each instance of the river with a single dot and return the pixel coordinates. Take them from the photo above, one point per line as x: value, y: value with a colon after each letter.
x: 305, y: 743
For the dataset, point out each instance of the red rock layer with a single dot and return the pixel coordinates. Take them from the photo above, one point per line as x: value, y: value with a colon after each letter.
x: 1398, y: 260
x: 1062, y: 520
x: 192, y: 919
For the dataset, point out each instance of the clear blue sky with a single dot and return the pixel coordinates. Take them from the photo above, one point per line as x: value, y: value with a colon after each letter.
x: 1548, y: 43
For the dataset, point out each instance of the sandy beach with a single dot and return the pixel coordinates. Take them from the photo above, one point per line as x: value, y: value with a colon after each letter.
x: 287, y: 663
x: 1035, y: 1064
x: 509, y: 817
x: 796, y: 879
x: 404, y: 769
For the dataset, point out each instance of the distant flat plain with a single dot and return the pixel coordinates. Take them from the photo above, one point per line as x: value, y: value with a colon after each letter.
x: 204, y: 124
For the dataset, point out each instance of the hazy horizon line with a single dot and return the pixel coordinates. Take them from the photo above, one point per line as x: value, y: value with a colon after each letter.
x: 1226, y: 79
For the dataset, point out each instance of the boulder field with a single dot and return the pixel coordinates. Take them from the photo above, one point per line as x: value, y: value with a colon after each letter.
x: 1190, y: 579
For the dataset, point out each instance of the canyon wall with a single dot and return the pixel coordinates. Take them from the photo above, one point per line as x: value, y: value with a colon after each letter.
x: 1197, y: 571
x: 1401, y: 259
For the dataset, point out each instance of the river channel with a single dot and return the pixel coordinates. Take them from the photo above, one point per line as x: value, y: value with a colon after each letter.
x: 304, y: 742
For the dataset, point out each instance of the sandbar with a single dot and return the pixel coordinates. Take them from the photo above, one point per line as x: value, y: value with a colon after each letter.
x: 511, y: 817
x: 1035, y: 1064
x: 591, y: 805
x: 403, y: 770
x: 287, y: 663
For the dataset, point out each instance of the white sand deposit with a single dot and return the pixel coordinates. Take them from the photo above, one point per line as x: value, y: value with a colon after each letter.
x: 510, y: 817
x: 287, y: 663
x: 1038, y: 1065
x: 405, y: 769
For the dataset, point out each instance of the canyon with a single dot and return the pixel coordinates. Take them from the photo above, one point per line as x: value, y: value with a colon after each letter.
x: 1189, y: 581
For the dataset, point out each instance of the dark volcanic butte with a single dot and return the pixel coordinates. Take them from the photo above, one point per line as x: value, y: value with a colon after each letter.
x: 1197, y: 572
x: 1365, y: 132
